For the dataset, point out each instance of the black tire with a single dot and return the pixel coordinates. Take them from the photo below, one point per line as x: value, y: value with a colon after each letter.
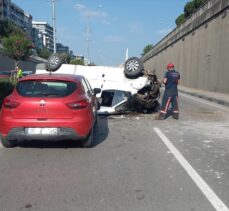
x: 8, y: 143
x: 133, y: 67
x: 88, y: 142
x: 53, y: 63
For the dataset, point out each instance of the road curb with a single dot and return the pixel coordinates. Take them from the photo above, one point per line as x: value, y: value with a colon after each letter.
x: 200, y: 95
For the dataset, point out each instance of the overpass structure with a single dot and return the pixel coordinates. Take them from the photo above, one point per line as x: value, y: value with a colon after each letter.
x: 199, y: 48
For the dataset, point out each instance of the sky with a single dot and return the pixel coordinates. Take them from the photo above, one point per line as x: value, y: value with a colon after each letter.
x: 102, y: 30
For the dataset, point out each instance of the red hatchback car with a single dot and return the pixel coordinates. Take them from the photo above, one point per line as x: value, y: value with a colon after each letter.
x: 49, y: 107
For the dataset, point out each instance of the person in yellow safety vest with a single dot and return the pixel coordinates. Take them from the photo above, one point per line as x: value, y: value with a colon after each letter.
x: 19, y: 73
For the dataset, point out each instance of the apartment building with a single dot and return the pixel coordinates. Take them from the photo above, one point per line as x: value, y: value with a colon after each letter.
x: 45, y: 33
x: 10, y: 11
x: 62, y: 48
x: 41, y: 33
x: 4, y: 9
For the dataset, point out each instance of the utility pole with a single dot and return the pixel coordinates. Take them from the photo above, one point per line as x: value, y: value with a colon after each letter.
x: 54, y: 25
x: 88, y: 31
x: 88, y: 44
x: 88, y: 35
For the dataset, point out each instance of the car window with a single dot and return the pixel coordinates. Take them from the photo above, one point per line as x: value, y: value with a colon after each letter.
x: 119, y: 96
x: 49, y: 89
x: 88, y: 85
x: 111, y: 98
x: 107, y: 98
x: 85, y: 87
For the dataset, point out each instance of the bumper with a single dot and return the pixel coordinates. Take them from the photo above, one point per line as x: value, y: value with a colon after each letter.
x: 19, y: 134
x: 81, y: 126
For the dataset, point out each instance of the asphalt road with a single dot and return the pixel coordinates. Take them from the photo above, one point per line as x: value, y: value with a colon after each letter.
x: 137, y: 164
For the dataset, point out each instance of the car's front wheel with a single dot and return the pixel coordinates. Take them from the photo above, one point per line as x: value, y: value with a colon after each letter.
x: 8, y: 143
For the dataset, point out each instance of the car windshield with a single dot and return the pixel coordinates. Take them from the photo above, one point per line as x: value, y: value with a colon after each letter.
x: 111, y: 98
x: 49, y: 89
x: 119, y: 96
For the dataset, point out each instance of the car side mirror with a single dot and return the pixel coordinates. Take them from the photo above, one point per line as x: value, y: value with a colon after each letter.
x: 96, y: 91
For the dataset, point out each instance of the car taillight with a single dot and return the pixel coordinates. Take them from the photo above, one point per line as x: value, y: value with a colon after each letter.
x: 8, y: 103
x: 78, y: 104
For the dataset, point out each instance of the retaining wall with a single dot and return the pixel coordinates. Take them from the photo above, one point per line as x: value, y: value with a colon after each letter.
x: 7, y: 63
x: 199, y: 48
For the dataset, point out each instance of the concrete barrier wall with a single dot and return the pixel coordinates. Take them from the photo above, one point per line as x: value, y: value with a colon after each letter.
x: 7, y: 63
x: 200, y: 54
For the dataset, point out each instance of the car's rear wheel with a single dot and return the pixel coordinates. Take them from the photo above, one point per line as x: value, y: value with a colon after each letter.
x: 88, y: 142
x: 8, y: 143
x: 133, y: 67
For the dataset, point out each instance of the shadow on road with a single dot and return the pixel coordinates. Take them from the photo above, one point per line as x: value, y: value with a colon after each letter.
x: 101, y: 130
x: 100, y: 134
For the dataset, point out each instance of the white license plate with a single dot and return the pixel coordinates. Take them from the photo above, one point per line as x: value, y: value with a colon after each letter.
x: 41, y: 131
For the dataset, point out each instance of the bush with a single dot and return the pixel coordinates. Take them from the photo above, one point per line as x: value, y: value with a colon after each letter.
x: 189, y: 9
x: 6, y: 89
x: 181, y: 19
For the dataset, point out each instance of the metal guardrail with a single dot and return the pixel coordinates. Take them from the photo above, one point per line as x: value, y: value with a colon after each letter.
x: 208, y: 11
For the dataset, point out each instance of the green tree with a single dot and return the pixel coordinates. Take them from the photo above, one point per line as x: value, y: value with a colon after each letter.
x: 189, y: 8
x: 146, y: 49
x: 17, y: 47
x: 8, y: 28
x: 44, y: 53
x: 180, y: 19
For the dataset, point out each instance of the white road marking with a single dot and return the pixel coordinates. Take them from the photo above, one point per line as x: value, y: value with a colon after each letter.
x: 202, y: 185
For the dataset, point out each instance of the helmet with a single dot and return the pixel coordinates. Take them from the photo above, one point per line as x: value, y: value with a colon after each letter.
x: 170, y: 65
